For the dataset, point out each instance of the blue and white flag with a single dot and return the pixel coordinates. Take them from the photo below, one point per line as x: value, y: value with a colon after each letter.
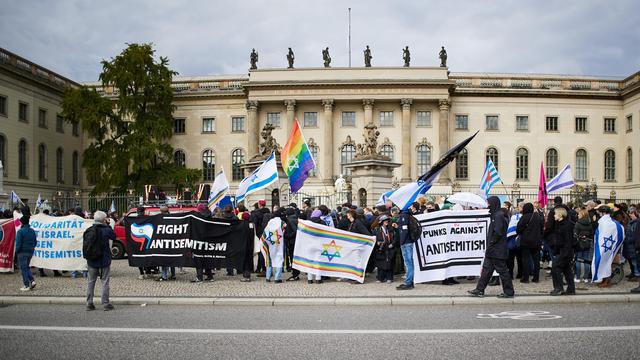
x: 112, y: 209
x: 39, y: 202
x: 218, y: 190
x: 489, y: 178
x: 407, y: 194
x: 384, y: 197
x: 513, y: 224
x: 265, y: 175
x: 563, y: 180
x: 15, y: 198
x: 608, y: 239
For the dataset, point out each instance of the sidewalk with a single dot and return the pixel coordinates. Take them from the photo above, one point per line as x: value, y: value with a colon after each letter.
x: 126, y: 287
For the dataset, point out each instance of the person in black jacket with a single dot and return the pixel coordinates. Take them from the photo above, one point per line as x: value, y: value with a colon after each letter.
x: 563, y: 249
x: 102, y: 265
x: 496, y: 254
x: 290, y: 239
x: 529, y: 229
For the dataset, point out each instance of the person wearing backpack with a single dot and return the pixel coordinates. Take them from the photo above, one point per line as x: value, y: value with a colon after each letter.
x: 96, y: 249
x: 583, y: 234
x: 409, y: 229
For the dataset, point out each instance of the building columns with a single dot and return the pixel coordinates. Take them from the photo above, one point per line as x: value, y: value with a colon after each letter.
x: 252, y: 128
x: 368, y: 110
x: 443, y: 136
x: 327, y: 151
x: 291, y: 115
x: 406, y: 138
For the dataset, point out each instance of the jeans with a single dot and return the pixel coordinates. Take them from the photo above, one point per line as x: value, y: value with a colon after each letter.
x: 165, y: 272
x: 27, y: 277
x: 93, y: 276
x: 530, y: 257
x: 277, y: 275
x: 583, y: 265
x: 407, y: 256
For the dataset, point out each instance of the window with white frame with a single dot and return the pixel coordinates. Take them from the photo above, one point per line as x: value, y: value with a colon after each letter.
x: 492, y: 122
x: 237, y: 124
x: 310, y: 119
x: 462, y: 122
x: 610, y: 125
x: 522, y: 123
x: 348, y: 118
x: 208, y: 125
x: 581, y: 124
x: 423, y: 118
x: 551, y: 123
x: 581, y: 165
x: 273, y: 118
x: 610, y: 165
x: 386, y: 118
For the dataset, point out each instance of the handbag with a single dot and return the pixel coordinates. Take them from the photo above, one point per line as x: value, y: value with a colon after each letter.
x: 514, y: 242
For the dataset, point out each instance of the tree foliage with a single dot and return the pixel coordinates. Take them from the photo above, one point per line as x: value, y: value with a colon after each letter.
x: 129, y: 131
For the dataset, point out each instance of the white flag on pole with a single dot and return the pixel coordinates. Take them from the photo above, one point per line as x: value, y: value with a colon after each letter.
x: 218, y: 190
x: 265, y: 175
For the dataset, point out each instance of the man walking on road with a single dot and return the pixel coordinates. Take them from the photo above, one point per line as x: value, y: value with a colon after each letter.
x: 496, y: 254
x: 100, y: 265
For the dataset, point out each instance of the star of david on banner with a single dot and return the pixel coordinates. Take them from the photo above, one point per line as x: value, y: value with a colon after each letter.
x: 327, y: 248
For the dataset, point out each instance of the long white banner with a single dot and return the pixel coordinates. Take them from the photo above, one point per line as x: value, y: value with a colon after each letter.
x: 59, y: 242
x: 452, y: 244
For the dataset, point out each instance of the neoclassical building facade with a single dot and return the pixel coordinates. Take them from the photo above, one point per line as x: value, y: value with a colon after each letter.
x: 522, y: 120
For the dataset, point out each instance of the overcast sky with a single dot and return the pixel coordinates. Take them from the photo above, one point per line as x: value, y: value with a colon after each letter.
x: 215, y: 37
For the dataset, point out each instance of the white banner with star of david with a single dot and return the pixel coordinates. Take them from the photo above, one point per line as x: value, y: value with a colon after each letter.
x: 326, y: 251
x: 608, y: 239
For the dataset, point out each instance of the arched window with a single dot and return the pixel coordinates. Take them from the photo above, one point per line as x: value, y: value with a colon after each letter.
x: 552, y: 163
x: 22, y: 159
x: 522, y: 164
x: 237, y: 159
x: 75, y: 164
x: 462, y: 165
x: 609, y: 165
x: 424, y: 158
x: 208, y: 165
x: 581, y: 165
x: 59, y: 165
x: 629, y: 164
x: 313, y: 149
x: 42, y: 162
x: 492, y: 153
x: 346, y: 156
x: 387, y: 150
x: 179, y: 158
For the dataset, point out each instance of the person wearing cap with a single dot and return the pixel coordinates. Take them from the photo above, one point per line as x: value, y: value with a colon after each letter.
x: 102, y: 265
x: 385, y: 249
x: 24, y: 247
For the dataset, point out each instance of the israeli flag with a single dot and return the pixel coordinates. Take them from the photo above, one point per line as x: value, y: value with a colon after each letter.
x: 265, y: 175
x: 218, y: 190
x: 384, y: 197
x: 513, y: 225
x: 15, y: 198
x: 563, y: 180
x: 608, y: 239
x: 407, y: 194
x: 39, y: 202
x: 112, y: 209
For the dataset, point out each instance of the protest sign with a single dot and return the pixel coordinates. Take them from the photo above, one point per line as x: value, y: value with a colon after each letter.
x: 59, y: 242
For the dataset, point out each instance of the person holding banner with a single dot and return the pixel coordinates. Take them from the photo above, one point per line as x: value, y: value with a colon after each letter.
x: 25, y: 245
x: 496, y: 254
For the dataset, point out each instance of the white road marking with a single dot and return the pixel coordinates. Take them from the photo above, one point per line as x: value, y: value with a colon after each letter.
x: 320, y: 331
x: 521, y: 315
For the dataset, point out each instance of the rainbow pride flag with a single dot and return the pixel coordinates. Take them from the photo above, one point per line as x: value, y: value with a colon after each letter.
x: 326, y: 251
x: 296, y: 159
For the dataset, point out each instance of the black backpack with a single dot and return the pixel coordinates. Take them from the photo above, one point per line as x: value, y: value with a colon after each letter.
x: 91, y: 243
x: 415, y: 229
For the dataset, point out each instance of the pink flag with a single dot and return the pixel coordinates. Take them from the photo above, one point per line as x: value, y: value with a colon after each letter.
x: 543, y: 197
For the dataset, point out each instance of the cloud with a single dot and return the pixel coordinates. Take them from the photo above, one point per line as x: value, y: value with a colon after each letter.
x: 215, y: 37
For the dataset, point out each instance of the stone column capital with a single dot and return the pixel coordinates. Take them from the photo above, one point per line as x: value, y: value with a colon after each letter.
x: 368, y: 103
x: 328, y: 104
x: 290, y: 104
x: 444, y: 104
x: 406, y: 103
x: 252, y: 105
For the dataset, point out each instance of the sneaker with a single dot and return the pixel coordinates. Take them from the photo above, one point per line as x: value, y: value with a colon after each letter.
x: 576, y: 280
x: 280, y: 281
x: 108, y: 307
x: 25, y: 288
x: 389, y: 281
x: 195, y: 281
x: 91, y: 307
x: 161, y: 279
x: 267, y: 280
x: 244, y: 279
x: 293, y: 278
x: 476, y: 293
x: 404, y: 287
x: 33, y: 284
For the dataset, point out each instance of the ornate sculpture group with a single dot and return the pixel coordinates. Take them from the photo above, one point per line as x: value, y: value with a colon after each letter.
x: 269, y: 144
x: 326, y: 58
x: 369, y: 150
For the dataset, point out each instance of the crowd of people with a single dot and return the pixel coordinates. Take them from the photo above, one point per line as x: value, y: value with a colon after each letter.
x: 523, y: 241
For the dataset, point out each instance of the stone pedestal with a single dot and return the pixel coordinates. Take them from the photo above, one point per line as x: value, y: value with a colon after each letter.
x: 370, y: 178
x: 267, y: 193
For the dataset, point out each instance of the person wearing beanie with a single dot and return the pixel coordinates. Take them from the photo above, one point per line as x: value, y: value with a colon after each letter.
x: 102, y: 265
x: 25, y: 245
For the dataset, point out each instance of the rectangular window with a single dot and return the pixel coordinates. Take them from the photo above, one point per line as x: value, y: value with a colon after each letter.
x: 23, y: 112
x: 3, y: 105
x: 75, y: 129
x: 629, y: 123
x: 59, y: 124
x: 551, y: 123
x: 208, y: 125
x: 462, y: 122
x: 492, y: 122
x: 348, y: 118
x: 237, y: 124
x: 386, y: 118
x: 310, y: 119
x: 179, y: 126
x: 273, y: 119
x: 522, y: 123
x: 423, y: 118
x: 42, y: 118
x: 609, y: 125
x: 581, y: 124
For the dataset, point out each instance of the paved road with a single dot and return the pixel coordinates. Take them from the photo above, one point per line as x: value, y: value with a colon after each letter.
x: 199, y: 332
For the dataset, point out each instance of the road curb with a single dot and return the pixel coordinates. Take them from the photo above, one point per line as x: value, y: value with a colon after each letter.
x: 330, y: 301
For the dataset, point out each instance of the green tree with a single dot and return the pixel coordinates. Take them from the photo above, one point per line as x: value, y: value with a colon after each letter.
x: 130, y: 129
